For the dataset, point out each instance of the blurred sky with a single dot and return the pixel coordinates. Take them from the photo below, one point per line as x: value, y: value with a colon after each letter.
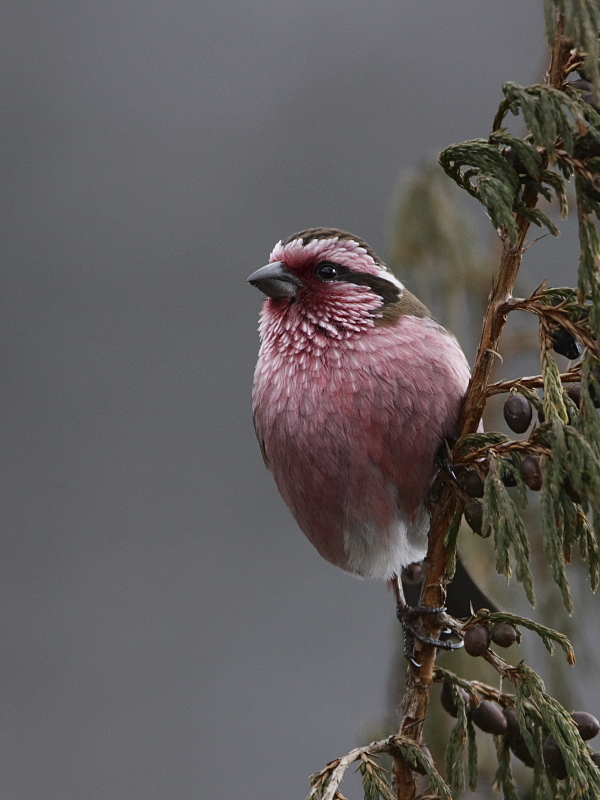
x: 166, y: 631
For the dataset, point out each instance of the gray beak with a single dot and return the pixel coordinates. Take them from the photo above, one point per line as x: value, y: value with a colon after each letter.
x: 275, y: 280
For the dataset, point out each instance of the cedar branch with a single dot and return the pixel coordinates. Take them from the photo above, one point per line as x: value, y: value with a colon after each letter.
x: 532, y: 382
x: 443, y: 501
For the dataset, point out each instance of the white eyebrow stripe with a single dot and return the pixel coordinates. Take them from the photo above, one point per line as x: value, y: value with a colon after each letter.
x: 388, y: 275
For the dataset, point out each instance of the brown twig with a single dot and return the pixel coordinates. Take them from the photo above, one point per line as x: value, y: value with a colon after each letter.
x: 445, y: 503
x: 325, y: 784
x: 532, y: 382
x: 480, y: 688
x: 518, y: 446
x: 556, y: 316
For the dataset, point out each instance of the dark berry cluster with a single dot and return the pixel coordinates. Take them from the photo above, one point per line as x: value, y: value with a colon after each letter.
x: 490, y: 717
x: 518, y: 414
x: 479, y: 637
x: 588, y: 727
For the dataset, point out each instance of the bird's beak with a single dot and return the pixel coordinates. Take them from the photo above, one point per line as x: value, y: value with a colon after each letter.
x: 275, y: 280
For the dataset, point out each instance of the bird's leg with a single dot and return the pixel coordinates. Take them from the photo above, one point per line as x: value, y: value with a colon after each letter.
x: 410, y: 615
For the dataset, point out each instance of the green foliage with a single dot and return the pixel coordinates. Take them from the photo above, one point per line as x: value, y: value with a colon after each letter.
x: 584, y: 776
x: 588, y: 278
x: 508, y: 174
x: 503, y: 779
x: 451, y: 542
x: 539, y: 716
x: 413, y: 754
x: 500, y: 514
x: 580, y: 19
x: 551, y: 116
x: 471, y: 756
x: 375, y: 784
x: 455, y: 749
x: 574, y: 464
x: 497, y: 182
x: 548, y: 636
x: 324, y: 785
x: 319, y: 782
x: 568, y: 443
x: 563, y: 132
x: 497, y: 171
x: 589, y: 422
x: 554, y: 404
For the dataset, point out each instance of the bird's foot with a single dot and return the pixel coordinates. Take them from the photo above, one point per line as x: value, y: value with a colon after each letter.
x: 443, y: 460
x: 409, y: 616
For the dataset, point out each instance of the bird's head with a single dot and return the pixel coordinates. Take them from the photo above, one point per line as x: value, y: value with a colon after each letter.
x: 317, y: 260
x: 324, y: 270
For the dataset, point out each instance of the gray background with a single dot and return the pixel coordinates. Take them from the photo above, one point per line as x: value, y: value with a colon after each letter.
x: 165, y: 630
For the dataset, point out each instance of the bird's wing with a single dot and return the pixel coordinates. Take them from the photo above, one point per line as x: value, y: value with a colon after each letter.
x: 421, y: 381
x: 261, y: 443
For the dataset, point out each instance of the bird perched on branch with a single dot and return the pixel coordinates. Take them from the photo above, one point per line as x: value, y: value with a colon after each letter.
x: 356, y: 389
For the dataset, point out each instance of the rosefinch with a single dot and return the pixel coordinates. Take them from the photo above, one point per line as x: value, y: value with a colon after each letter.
x: 355, y: 390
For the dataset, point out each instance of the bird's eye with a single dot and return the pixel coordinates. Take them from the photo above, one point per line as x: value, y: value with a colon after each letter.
x: 327, y: 272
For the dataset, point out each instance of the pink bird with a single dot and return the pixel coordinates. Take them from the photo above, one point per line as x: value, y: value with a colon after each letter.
x: 356, y: 389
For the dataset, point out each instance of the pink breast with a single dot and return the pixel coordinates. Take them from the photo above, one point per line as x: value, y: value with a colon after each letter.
x: 351, y: 427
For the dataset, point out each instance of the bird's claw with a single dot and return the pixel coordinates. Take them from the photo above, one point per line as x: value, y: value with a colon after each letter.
x: 444, y: 461
x: 408, y: 616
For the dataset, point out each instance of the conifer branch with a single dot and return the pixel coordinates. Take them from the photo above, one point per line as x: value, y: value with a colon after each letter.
x: 325, y: 784
x: 532, y: 382
x: 445, y: 503
x: 419, y: 681
x: 508, y: 175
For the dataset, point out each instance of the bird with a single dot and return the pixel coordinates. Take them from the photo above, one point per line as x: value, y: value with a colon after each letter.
x: 356, y: 389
